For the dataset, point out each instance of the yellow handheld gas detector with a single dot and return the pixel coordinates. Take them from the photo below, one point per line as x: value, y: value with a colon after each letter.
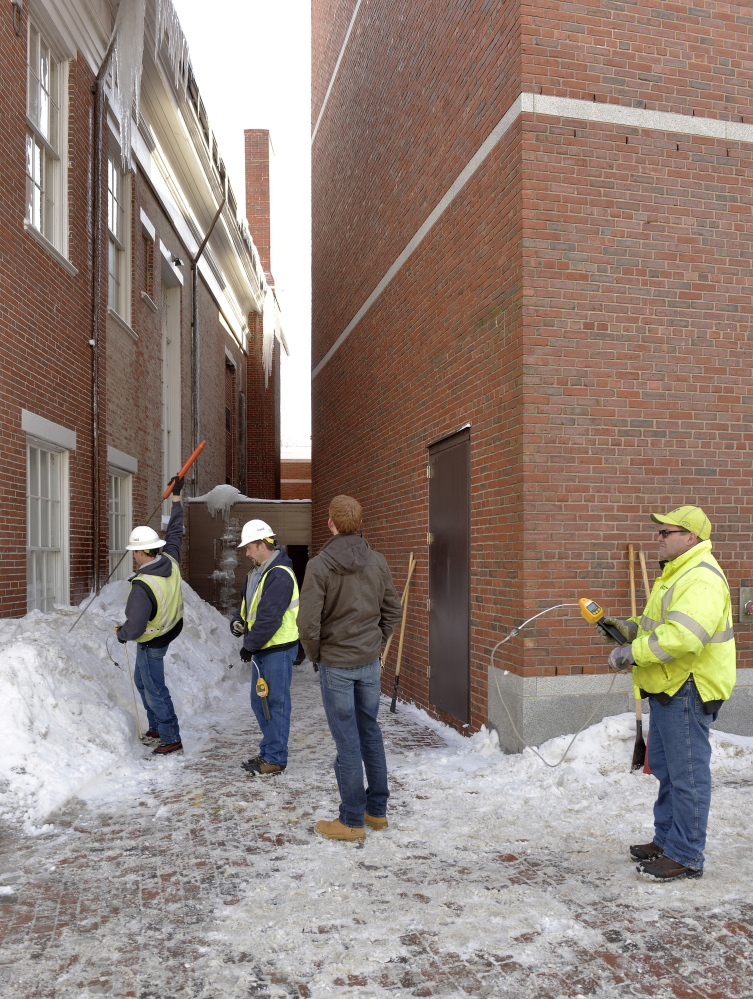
x: 594, y: 614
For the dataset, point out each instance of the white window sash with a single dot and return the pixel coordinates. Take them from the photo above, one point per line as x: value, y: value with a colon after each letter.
x: 120, y: 519
x: 47, y: 529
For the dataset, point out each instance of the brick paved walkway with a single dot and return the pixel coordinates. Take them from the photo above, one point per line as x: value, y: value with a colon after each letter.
x: 182, y: 877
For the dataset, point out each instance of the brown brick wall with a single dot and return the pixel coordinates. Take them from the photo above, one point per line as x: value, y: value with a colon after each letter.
x: 582, y: 303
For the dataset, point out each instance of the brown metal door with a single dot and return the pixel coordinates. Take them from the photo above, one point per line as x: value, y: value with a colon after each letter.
x: 450, y: 574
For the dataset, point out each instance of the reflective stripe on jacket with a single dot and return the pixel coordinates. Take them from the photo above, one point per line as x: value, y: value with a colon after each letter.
x: 288, y: 630
x: 167, y: 593
x: 687, y: 628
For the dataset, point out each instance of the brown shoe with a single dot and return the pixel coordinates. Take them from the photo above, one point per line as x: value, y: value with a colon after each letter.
x: 662, y: 868
x: 647, y: 851
x: 336, y: 830
x: 260, y: 768
x: 375, y: 821
x: 167, y: 747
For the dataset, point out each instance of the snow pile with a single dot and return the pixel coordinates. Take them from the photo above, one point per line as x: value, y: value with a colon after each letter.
x: 67, y: 711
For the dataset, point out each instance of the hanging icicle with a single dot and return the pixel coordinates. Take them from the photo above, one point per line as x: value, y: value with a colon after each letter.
x: 168, y: 27
x: 128, y: 62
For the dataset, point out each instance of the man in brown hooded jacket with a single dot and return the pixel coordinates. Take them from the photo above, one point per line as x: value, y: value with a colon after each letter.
x: 348, y: 609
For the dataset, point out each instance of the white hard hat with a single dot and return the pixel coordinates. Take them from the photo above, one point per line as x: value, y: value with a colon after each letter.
x: 143, y: 539
x: 255, y: 530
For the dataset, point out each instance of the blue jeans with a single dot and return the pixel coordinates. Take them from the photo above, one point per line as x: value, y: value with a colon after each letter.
x: 351, y: 703
x: 149, y: 677
x: 679, y: 754
x: 277, y: 669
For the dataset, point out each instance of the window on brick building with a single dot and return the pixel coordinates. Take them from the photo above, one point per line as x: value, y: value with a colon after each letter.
x: 118, y: 290
x: 46, y: 527
x: 44, y: 139
x: 120, y: 522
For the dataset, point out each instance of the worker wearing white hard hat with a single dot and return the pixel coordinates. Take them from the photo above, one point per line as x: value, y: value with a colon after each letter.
x: 266, y: 619
x: 154, y: 617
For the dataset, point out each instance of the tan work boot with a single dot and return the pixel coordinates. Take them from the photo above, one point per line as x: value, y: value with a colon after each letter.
x: 374, y: 821
x: 336, y: 830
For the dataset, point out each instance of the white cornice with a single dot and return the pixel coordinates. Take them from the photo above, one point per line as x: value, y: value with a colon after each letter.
x: 79, y: 26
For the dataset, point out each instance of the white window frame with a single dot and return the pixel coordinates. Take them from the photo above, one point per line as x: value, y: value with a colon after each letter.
x: 119, y: 530
x: 118, y: 238
x: 48, y: 562
x: 46, y: 138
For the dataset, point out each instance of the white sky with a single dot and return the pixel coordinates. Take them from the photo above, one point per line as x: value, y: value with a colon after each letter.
x: 251, y: 59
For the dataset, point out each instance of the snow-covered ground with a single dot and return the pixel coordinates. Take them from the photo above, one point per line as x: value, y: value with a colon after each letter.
x: 66, y: 709
x: 493, y: 862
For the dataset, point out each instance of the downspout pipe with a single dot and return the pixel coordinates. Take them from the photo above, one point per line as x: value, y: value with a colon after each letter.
x: 196, y: 416
x: 97, y: 89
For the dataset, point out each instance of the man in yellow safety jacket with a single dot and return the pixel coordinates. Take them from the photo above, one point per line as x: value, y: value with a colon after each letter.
x: 682, y: 653
x: 267, y: 620
x: 154, y: 617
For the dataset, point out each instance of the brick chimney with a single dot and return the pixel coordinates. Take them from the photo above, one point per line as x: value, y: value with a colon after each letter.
x: 258, y: 154
x: 263, y: 419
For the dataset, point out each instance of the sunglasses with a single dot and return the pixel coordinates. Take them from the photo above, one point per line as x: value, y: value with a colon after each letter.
x: 665, y: 534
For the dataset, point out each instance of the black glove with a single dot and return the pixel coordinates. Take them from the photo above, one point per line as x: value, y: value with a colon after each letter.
x: 628, y: 629
x: 246, y: 655
x: 237, y: 627
x: 117, y: 627
x: 177, y: 483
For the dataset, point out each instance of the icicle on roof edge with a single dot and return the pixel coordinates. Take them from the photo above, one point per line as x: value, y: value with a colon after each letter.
x: 168, y: 26
x: 128, y: 62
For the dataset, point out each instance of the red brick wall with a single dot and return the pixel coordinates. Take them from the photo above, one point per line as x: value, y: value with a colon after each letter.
x: 295, y: 479
x: 686, y: 58
x: 328, y: 30
x: 582, y: 303
x: 410, y: 108
x: 45, y: 323
x: 46, y: 363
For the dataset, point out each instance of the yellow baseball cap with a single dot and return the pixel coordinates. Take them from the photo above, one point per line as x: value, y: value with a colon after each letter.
x: 692, y: 518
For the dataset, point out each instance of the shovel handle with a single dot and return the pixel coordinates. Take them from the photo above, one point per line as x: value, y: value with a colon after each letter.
x: 644, y: 573
x: 182, y: 472
x: 631, y: 566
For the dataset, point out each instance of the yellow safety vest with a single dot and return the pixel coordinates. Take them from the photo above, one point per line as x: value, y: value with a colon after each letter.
x: 288, y: 630
x: 687, y: 628
x: 167, y: 592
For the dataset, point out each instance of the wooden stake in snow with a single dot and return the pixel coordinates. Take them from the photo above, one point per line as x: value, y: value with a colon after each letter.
x: 406, y: 591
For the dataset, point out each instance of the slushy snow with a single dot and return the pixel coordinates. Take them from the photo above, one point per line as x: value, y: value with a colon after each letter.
x: 463, y: 818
